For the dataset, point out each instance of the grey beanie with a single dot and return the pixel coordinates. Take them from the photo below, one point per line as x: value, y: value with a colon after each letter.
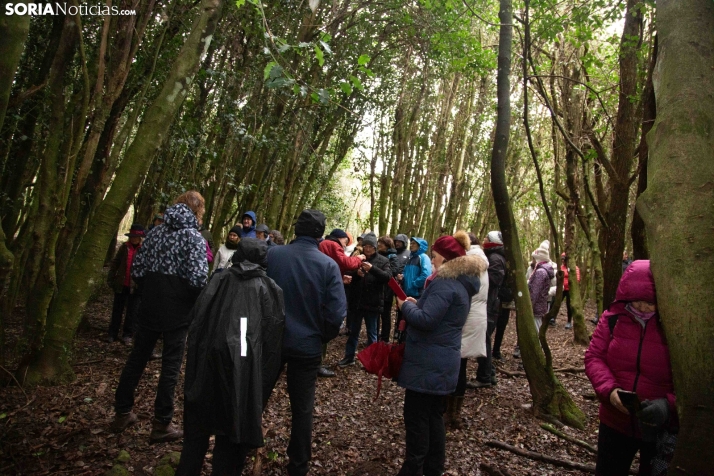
x: 370, y: 239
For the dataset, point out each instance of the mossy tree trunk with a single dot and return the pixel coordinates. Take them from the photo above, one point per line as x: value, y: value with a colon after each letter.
x: 678, y: 211
x: 550, y: 399
x: 51, y: 364
x: 13, y: 31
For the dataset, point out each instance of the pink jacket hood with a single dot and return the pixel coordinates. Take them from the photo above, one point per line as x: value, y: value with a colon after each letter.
x: 635, y: 358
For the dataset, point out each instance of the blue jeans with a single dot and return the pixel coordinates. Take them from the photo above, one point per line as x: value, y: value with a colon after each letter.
x: 370, y: 319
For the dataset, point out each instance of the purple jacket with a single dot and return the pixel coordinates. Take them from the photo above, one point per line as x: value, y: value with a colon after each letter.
x: 635, y: 358
x: 538, y: 287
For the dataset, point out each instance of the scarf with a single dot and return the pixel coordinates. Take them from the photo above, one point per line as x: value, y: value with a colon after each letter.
x: 644, y: 316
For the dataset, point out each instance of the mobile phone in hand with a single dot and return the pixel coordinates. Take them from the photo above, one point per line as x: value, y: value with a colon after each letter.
x: 629, y: 400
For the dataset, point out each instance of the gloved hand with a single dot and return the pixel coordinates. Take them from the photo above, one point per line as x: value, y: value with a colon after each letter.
x: 652, y: 417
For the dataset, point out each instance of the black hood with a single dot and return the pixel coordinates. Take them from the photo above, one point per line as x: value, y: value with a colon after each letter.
x: 251, y: 250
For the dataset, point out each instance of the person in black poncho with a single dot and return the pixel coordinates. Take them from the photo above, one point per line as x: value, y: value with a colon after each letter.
x: 233, y: 362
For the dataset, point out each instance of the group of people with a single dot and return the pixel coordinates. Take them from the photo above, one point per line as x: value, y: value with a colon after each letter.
x: 268, y: 309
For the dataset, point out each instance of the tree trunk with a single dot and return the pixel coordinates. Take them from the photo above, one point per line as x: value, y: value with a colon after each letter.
x: 51, y: 364
x: 13, y: 31
x: 550, y: 399
x: 649, y: 113
x: 623, y: 149
x: 678, y: 214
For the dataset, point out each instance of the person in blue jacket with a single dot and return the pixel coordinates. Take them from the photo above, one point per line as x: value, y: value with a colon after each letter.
x: 432, y: 355
x: 315, y: 305
x: 416, y: 270
x: 248, y: 220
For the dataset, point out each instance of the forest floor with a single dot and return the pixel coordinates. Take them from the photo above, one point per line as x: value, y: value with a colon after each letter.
x: 64, y: 430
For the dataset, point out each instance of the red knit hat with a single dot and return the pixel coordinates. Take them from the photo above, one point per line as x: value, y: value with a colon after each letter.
x: 448, y: 247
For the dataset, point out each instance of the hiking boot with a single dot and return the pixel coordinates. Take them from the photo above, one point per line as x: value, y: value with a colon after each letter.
x: 569, y: 325
x: 478, y: 384
x: 325, y: 372
x: 122, y: 421
x: 163, y: 432
x: 497, y: 356
x: 346, y: 362
x: 456, y: 413
x: 494, y: 381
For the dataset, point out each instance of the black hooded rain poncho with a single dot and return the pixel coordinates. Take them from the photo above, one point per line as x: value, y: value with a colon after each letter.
x: 234, y: 348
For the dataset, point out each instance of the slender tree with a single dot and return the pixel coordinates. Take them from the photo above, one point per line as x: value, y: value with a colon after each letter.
x: 550, y: 399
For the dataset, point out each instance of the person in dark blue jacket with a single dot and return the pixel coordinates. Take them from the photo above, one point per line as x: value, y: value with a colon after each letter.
x: 248, y: 220
x: 315, y: 306
x: 432, y: 356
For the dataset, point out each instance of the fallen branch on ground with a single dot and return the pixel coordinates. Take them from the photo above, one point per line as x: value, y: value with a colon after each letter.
x: 519, y: 373
x: 556, y: 432
x: 589, y: 468
x: 570, y: 370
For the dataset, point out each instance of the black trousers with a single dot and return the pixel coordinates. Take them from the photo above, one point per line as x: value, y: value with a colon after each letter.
x: 616, y: 451
x: 130, y: 302
x: 228, y: 457
x: 461, y: 383
x: 301, y: 376
x: 485, y: 367
x: 172, y: 358
x: 426, y: 435
x: 566, y: 296
x: 501, y: 325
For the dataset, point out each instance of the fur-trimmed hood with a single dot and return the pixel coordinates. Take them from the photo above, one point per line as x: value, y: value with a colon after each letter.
x: 469, y: 265
x: 466, y: 270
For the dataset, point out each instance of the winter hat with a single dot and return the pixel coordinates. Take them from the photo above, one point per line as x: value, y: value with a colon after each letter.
x: 238, y: 230
x: 338, y: 233
x: 136, y: 231
x: 495, y: 237
x: 448, y: 247
x: 310, y: 223
x: 369, y: 239
x: 540, y: 255
x: 263, y: 227
x: 545, y: 244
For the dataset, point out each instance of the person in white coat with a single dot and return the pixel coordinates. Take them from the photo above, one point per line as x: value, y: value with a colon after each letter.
x: 225, y: 252
x: 473, y: 335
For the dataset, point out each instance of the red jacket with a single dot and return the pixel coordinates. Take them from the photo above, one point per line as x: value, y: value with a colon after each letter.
x: 566, y: 283
x: 635, y: 358
x: 335, y: 251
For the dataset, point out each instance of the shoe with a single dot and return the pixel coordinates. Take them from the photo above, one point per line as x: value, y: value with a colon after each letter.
x: 110, y: 339
x: 552, y: 323
x: 346, y: 362
x: 122, y: 421
x: 456, y: 413
x: 127, y: 341
x: 325, y: 372
x: 517, y: 353
x: 155, y: 355
x: 494, y: 381
x: 569, y: 325
x: 163, y: 432
x: 497, y: 356
x: 478, y: 384
x: 449, y: 412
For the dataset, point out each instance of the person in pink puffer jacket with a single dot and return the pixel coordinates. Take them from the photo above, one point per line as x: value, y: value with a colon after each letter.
x: 629, y: 352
